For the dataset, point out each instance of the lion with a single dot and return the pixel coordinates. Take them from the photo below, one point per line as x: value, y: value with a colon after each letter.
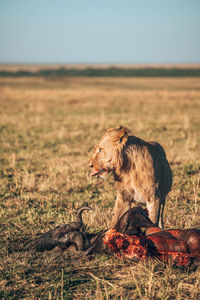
x: 141, y: 172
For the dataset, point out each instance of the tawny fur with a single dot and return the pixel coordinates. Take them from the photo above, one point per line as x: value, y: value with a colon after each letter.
x: 141, y: 171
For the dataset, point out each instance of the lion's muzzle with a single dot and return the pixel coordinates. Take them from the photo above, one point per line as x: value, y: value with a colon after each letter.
x: 99, y: 172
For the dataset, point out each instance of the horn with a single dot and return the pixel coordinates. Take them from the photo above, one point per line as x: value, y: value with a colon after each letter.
x: 79, y: 213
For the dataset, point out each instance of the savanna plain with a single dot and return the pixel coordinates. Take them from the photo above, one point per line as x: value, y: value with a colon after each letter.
x: 48, y: 128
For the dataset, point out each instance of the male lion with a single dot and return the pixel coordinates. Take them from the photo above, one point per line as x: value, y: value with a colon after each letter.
x: 141, y: 171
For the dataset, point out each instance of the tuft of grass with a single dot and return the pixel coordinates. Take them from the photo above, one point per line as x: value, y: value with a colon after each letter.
x: 48, y: 128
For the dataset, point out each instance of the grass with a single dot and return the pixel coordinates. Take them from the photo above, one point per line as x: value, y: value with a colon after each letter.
x: 48, y: 128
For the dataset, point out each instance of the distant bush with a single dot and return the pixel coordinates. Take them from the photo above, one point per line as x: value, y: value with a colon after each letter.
x: 108, y: 72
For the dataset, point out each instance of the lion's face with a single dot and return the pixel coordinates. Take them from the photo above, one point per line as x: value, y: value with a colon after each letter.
x: 107, y: 153
x: 102, y: 160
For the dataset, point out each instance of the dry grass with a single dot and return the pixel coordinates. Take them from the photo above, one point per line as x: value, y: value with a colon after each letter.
x: 48, y: 129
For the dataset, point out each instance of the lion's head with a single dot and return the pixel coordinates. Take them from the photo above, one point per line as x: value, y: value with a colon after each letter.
x: 107, y: 156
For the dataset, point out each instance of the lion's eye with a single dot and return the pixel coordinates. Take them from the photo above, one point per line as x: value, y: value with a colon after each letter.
x: 99, y: 150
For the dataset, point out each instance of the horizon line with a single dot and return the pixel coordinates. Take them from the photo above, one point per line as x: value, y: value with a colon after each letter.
x: 100, y: 63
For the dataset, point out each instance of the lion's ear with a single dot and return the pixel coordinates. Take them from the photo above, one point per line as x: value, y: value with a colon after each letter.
x: 121, y: 134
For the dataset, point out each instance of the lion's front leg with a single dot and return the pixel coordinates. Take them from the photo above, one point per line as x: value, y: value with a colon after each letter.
x: 120, y: 208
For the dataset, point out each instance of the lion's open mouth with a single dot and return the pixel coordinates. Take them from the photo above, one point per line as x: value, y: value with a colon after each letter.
x: 101, y: 172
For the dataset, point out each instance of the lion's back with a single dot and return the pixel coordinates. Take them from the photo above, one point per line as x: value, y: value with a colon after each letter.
x: 151, y: 164
x: 162, y: 168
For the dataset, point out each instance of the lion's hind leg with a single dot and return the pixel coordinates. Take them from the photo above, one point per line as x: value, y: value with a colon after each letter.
x: 155, y: 212
x: 162, y: 206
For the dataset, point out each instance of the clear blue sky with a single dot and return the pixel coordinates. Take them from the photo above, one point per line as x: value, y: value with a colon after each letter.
x: 100, y: 31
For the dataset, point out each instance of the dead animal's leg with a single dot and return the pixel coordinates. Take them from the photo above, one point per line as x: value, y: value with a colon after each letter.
x: 123, y: 222
x: 120, y: 208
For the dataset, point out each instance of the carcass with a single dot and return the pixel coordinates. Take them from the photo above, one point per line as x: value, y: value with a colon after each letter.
x: 133, y: 237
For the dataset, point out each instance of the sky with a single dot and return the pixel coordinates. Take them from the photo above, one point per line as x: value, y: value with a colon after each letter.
x: 100, y: 31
